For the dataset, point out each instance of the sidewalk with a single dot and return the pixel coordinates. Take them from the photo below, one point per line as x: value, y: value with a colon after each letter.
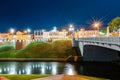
x: 61, y: 77
x: 56, y: 77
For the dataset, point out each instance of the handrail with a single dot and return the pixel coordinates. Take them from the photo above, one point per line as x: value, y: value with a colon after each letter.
x: 107, y: 40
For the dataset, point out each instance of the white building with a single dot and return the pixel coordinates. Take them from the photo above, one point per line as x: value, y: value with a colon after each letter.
x: 3, y: 36
x: 49, y: 35
x: 88, y: 33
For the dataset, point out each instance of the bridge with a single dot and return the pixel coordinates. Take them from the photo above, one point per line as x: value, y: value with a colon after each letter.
x: 104, y: 48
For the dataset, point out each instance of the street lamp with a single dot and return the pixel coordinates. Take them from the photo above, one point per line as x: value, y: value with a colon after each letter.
x: 71, y: 29
x: 12, y: 32
x: 64, y: 30
x: 28, y: 31
x: 96, y: 24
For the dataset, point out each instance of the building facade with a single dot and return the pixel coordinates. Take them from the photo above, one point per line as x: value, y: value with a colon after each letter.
x: 19, y: 36
x: 49, y: 35
x: 3, y: 36
x: 87, y: 33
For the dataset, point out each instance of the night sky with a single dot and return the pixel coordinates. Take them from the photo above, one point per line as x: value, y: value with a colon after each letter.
x: 39, y: 14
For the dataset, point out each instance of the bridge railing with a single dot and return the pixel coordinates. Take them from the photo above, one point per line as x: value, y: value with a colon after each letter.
x: 107, y: 40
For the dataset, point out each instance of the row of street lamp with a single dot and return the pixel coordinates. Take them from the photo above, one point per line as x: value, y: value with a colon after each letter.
x: 13, y: 30
x: 95, y: 24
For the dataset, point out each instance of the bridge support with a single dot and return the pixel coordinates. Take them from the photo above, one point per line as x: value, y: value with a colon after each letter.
x: 81, y: 46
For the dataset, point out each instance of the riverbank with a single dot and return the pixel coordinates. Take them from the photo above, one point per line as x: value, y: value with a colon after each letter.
x: 34, y: 59
x: 23, y: 77
x: 50, y: 77
x: 56, y: 49
x: 69, y: 77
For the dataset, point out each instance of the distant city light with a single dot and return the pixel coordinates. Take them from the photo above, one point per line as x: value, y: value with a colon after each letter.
x: 28, y: 30
x: 96, y: 24
x: 12, y: 31
x: 71, y: 27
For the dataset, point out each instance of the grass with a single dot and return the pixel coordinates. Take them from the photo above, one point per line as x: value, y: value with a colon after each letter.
x: 34, y: 76
x: 24, y: 77
x: 57, y: 49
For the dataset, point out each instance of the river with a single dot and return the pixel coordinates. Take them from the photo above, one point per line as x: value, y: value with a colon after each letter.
x: 104, y: 70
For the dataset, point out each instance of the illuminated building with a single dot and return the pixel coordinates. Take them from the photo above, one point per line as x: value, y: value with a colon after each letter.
x: 19, y: 36
x: 49, y: 35
x: 3, y: 36
x: 88, y: 33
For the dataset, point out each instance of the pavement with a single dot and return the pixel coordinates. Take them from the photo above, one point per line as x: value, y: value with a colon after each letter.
x: 3, y: 78
x: 56, y: 77
x: 62, y: 77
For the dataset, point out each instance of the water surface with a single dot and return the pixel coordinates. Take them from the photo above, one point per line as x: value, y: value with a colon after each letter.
x: 104, y: 70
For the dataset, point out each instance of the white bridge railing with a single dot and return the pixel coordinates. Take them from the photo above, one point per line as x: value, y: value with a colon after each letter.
x: 105, y: 40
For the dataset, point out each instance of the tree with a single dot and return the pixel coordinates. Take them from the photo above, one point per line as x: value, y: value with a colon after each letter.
x: 114, y: 25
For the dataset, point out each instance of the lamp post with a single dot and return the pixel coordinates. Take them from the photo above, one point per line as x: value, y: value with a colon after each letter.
x: 97, y: 25
x: 64, y: 30
x: 12, y: 32
x: 28, y: 32
x: 71, y: 30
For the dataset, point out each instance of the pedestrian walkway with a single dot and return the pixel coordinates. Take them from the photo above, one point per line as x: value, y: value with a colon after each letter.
x: 56, y: 77
x: 61, y: 77
x: 3, y: 78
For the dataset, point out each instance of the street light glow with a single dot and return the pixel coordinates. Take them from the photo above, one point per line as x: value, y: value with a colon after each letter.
x: 12, y: 31
x: 71, y: 27
x: 28, y: 30
x: 97, y: 24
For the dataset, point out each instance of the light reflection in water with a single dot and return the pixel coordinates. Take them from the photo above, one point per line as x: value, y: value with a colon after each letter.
x: 36, y: 68
x: 0, y: 70
x: 43, y: 69
x: 4, y: 69
x: 54, y: 68
x: 70, y: 69
x: 28, y: 69
x: 12, y: 69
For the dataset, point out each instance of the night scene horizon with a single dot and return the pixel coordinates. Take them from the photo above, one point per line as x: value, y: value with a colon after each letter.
x: 44, y: 14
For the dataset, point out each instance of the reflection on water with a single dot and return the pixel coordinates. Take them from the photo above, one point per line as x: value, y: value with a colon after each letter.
x: 70, y: 69
x: 104, y: 70
x: 36, y: 68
